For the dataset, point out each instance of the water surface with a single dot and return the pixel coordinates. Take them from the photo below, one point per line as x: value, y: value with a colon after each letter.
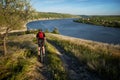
x: 79, y: 30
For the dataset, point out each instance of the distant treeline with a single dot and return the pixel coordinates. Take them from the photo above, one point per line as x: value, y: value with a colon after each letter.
x: 107, y: 21
x: 49, y: 15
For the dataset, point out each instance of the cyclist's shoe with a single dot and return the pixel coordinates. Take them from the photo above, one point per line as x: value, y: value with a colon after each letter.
x: 43, y: 55
x: 38, y: 57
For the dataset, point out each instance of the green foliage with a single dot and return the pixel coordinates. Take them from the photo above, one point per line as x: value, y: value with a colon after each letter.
x: 55, y: 31
x: 47, y: 31
x: 31, y: 32
x: 27, y: 32
x: 11, y: 14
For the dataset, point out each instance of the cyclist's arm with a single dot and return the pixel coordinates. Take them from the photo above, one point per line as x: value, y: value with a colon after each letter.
x: 37, y: 35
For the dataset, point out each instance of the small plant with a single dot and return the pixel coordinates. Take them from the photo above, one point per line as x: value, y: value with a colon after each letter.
x: 47, y: 31
x: 27, y: 32
x: 55, y: 31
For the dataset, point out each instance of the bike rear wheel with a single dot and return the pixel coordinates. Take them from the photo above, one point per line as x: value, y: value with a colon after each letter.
x: 41, y: 56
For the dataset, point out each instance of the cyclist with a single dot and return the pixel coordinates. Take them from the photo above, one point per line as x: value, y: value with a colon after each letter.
x: 41, y: 41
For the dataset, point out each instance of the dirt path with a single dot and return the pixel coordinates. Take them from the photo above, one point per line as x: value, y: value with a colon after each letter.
x: 75, y: 69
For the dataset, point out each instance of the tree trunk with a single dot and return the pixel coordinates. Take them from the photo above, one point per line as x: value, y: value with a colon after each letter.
x: 4, y: 45
x: 5, y: 41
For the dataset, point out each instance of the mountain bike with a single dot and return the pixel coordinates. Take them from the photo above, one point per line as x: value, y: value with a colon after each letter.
x: 42, y: 56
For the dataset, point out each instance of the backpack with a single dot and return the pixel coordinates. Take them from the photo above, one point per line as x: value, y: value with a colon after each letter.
x: 40, y: 35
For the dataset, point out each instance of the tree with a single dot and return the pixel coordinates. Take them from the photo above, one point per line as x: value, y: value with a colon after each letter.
x: 13, y: 13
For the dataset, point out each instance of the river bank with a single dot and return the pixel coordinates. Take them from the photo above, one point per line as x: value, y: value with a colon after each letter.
x: 24, y: 27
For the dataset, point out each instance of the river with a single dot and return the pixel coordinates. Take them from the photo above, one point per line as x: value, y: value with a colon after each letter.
x: 79, y: 30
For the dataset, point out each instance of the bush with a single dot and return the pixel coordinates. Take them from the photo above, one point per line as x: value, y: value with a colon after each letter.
x: 47, y: 31
x: 55, y: 31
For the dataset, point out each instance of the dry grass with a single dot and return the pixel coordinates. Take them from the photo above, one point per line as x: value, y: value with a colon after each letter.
x: 100, y: 57
x: 54, y: 64
x: 21, y: 62
x: 114, y: 49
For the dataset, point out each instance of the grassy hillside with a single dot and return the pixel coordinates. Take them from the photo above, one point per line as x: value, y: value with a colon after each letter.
x: 102, y: 58
x: 21, y: 62
x: 38, y: 15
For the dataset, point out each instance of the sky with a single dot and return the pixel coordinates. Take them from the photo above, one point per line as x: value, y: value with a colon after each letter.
x: 78, y: 7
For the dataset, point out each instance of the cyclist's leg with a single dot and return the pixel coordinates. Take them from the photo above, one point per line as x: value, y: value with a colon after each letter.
x: 38, y: 55
x: 43, y: 47
x: 39, y: 47
x: 38, y: 50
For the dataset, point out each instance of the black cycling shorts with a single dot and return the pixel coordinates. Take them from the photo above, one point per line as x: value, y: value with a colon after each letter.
x: 41, y: 42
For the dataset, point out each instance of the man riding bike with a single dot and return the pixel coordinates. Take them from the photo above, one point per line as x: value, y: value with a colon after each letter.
x: 41, y: 41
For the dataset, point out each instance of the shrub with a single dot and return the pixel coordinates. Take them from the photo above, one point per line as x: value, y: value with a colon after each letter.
x: 55, y: 31
x: 47, y: 31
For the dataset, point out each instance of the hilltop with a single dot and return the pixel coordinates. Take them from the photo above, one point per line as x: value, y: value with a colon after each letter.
x: 50, y: 15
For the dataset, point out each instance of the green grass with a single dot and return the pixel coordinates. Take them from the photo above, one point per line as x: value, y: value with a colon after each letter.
x: 21, y: 62
x: 48, y: 15
x: 16, y: 66
x: 97, y: 56
x: 54, y: 64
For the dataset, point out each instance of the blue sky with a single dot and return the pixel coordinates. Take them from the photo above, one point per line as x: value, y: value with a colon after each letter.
x: 78, y: 7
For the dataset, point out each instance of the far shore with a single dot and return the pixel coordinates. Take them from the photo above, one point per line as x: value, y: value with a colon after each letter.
x: 25, y: 27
